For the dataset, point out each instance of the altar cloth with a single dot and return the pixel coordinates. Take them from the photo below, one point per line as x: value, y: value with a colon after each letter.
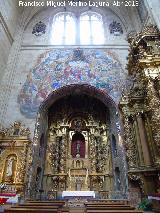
x: 66, y: 194
x: 12, y: 198
x: 153, y: 198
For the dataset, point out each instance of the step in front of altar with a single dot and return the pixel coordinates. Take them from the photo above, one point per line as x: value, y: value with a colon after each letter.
x: 77, y: 209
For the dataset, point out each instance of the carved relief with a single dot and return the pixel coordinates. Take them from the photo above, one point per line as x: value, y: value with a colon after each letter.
x: 137, y: 178
x: 39, y: 29
x: 115, y: 28
x: 17, y: 129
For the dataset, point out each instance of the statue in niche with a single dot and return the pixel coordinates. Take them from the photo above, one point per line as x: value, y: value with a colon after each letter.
x: 62, y: 186
x: 16, y: 131
x: 78, y: 184
x: 10, y: 166
x: 78, y: 147
x: 78, y: 164
x: 9, y: 170
x: 101, y: 181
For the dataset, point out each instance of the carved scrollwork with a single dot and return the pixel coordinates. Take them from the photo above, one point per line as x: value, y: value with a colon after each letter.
x: 39, y: 29
x: 62, y: 183
x: 152, y: 104
x: 53, y: 157
x: 101, y: 154
x: 129, y: 139
x: 144, y: 48
x: 115, y: 28
x: 55, y: 181
x: 137, y: 178
x: 17, y: 129
x: 150, y: 30
x: 138, y: 88
x: 93, y: 153
x: 62, y: 154
x: 144, y: 66
x: 21, y: 170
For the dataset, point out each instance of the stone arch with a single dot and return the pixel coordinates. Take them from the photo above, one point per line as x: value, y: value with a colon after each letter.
x: 42, y: 124
x: 76, y: 89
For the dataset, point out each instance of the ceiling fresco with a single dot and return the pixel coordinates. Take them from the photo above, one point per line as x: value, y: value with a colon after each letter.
x: 61, y: 67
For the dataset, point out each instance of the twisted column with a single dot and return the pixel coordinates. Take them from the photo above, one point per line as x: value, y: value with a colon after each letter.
x: 129, y: 139
x: 92, y: 153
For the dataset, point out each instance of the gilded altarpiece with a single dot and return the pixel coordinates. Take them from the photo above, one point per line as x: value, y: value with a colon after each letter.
x: 140, y: 107
x: 78, y: 155
x: 15, y: 152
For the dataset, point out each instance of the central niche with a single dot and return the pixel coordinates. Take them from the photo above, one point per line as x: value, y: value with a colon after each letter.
x: 78, y: 155
x: 78, y: 146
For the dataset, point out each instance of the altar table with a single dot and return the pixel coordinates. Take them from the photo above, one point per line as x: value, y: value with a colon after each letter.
x: 69, y: 194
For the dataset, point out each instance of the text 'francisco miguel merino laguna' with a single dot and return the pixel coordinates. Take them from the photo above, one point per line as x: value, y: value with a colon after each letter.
x: 63, y: 3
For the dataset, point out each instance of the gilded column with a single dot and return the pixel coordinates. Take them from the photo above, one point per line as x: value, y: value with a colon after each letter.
x: 144, y: 142
x: 152, y: 147
x: 138, y: 142
x: 63, y: 154
x: 86, y: 145
x: 129, y: 139
x: 92, y: 153
x: 153, y: 105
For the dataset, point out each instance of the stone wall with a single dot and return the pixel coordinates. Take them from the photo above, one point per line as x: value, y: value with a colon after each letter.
x: 153, y: 9
x: 9, y: 15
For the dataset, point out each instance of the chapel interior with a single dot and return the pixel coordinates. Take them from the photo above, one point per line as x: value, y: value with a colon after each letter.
x: 79, y: 106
